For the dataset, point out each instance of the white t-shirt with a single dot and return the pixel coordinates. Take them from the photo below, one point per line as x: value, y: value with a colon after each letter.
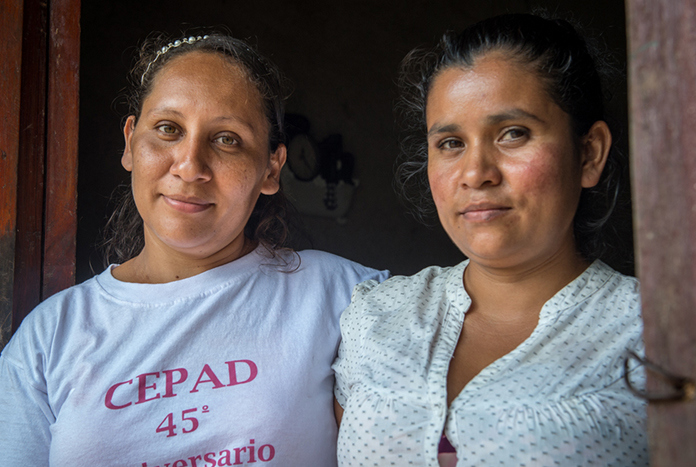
x: 559, y: 398
x: 229, y: 367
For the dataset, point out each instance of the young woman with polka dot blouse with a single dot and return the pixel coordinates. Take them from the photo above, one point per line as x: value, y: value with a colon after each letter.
x: 516, y: 354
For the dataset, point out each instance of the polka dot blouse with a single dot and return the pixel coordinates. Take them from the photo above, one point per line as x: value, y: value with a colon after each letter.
x: 558, y: 399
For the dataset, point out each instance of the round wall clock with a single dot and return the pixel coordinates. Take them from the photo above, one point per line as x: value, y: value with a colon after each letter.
x: 303, y: 157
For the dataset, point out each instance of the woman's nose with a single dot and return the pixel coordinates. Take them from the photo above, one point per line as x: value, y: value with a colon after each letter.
x: 478, y: 167
x: 191, y: 160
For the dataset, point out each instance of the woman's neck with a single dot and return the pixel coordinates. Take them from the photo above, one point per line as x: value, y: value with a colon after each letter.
x: 155, y: 266
x: 509, y: 293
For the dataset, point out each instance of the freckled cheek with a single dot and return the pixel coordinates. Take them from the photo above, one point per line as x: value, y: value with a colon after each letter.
x: 149, y: 159
x: 245, y: 175
x: 542, y: 175
x: 149, y: 174
x: 234, y: 175
x: 438, y: 192
x: 532, y: 179
x: 443, y: 182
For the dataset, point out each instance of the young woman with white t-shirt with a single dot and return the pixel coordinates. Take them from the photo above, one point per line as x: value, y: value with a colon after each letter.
x: 206, y: 343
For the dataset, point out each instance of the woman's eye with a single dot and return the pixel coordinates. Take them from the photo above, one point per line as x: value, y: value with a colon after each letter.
x: 513, y: 134
x: 451, y: 144
x: 167, y: 129
x: 226, y: 140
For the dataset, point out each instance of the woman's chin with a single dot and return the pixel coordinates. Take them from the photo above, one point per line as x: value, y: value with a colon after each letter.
x: 496, y: 258
x: 485, y: 252
x: 192, y: 247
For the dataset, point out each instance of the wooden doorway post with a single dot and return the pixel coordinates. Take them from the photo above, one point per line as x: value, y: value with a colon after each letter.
x: 662, y: 86
x: 39, y: 104
x: 11, y: 14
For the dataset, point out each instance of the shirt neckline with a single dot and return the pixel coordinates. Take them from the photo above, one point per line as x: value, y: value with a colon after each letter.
x: 576, y: 291
x: 169, y: 292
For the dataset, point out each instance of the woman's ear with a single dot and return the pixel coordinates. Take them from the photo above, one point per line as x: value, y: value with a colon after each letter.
x: 127, y: 158
x: 595, y: 150
x: 271, y: 184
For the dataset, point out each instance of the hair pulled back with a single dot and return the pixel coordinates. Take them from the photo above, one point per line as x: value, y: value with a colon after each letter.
x: 268, y: 224
x: 570, y: 70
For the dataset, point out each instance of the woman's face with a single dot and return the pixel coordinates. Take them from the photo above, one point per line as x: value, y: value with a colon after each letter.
x: 199, y: 156
x: 503, y: 169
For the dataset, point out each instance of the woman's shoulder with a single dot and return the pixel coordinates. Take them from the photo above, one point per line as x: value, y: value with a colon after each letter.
x: 399, y: 292
x: 38, y: 329
x: 599, y: 288
x: 604, y: 288
x: 429, y: 279
x: 59, y: 301
x: 614, y: 278
x: 331, y: 266
x: 601, y: 307
x: 317, y: 258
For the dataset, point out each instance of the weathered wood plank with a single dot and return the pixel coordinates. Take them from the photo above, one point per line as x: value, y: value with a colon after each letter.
x: 32, y: 151
x: 61, y: 146
x: 10, y: 73
x: 662, y: 82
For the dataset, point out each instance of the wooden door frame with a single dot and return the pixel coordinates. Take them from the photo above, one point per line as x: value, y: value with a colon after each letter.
x: 662, y: 89
x: 11, y: 14
x: 39, y: 69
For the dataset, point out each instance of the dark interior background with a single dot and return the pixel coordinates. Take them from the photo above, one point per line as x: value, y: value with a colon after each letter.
x: 342, y: 58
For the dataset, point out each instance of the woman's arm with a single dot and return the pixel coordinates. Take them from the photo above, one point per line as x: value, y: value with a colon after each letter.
x: 338, y: 411
x: 25, y: 436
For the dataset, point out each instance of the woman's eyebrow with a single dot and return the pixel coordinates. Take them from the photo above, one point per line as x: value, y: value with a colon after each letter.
x: 170, y: 111
x: 164, y: 110
x: 442, y: 129
x: 512, y: 114
x: 237, y: 120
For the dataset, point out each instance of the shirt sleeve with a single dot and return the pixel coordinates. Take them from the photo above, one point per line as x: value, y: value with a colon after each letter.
x: 25, y: 415
x: 374, y: 276
x: 348, y: 359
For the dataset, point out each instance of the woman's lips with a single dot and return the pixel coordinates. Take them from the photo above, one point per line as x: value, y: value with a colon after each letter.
x: 186, y: 204
x: 483, y: 213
